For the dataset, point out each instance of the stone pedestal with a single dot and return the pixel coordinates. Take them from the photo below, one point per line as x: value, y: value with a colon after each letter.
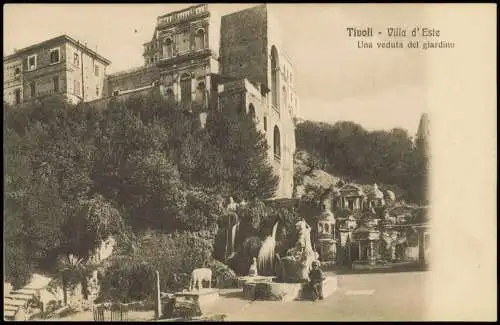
x: 242, y: 280
x: 286, y: 291
x: 327, y: 249
x: 204, y: 297
x: 372, y: 258
x: 249, y: 290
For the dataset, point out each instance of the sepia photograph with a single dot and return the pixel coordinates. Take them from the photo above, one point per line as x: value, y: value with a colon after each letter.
x: 247, y: 162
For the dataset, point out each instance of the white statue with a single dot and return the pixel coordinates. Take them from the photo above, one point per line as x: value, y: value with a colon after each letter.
x: 198, y: 276
x: 390, y: 239
x: 232, y: 205
x: 253, y: 268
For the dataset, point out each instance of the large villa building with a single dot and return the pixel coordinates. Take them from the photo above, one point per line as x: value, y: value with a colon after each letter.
x: 196, y: 58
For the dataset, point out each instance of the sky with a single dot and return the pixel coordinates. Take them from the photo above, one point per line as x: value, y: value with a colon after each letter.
x: 335, y: 80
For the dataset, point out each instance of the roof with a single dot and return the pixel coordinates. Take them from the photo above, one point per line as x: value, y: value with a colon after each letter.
x: 361, y: 229
x: 60, y: 38
x: 327, y: 215
x: 181, y: 10
x: 127, y: 71
x: 376, y: 192
x: 352, y: 187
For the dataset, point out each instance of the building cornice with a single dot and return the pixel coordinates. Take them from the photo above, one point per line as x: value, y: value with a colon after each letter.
x: 191, y: 55
x: 62, y: 38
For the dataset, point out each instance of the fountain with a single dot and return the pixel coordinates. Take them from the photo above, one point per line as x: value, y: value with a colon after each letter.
x: 292, y: 270
x: 265, y: 260
x: 234, y: 230
x: 296, y: 265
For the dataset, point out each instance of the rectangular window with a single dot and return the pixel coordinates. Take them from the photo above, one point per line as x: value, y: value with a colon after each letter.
x: 76, y: 59
x: 97, y: 91
x: 33, y: 89
x: 96, y: 70
x: 55, y: 56
x: 55, y: 80
x: 17, y: 93
x: 183, y: 42
x: 31, y: 62
x: 76, y: 86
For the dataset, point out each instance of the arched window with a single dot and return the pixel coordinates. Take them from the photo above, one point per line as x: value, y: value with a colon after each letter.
x: 169, y: 95
x: 251, y: 111
x: 277, y: 143
x: 199, y: 39
x: 274, y: 76
x: 186, y: 90
x: 265, y: 123
x: 168, y: 48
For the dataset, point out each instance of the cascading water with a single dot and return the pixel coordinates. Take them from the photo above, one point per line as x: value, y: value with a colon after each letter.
x: 234, y: 230
x: 265, y: 261
x: 231, y: 236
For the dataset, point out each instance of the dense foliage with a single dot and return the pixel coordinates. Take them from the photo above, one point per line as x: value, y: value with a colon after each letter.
x: 387, y: 157
x: 77, y: 174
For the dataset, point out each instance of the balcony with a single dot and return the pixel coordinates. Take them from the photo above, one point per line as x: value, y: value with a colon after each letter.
x: 189, y: 55
x: 183, y: 15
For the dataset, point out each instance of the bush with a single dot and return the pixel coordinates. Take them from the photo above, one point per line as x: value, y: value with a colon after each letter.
x: 223, y: 275
x: 126, y: 280
x: 18, y: 268
x: 243, y: 259
x: 202, y: 212
x: 174, y: 256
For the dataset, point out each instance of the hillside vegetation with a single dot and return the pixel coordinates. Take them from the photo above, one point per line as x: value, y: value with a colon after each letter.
x: 348, y: 151
x: 74, y: 175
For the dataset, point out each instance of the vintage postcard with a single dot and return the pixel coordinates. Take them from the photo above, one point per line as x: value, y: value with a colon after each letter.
x: 259, y: 162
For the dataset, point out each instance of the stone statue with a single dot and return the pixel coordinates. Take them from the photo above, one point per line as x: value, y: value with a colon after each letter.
x: 198, y: 276
x: 390, y: 239
x: 231, y: 205
x: 253, y: 268
x: 296, y: 265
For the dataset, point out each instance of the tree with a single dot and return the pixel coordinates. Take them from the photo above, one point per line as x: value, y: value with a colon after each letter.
x: 383, y: 157
x: 72, y: 271
x: 243, y: 150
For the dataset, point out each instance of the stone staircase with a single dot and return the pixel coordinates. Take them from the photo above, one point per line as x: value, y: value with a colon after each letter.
x: 16, y: 301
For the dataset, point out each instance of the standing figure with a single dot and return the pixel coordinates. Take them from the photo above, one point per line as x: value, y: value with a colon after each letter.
x: 253, y: 268
x: 316, y: 278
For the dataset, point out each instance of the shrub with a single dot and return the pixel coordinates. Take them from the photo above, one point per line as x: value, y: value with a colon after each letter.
x: 223, y: 275
x: 243, y: 259
x: 174, y: 256
x: 18, y: 267
x: 126, y: 280
x: 202, y: 212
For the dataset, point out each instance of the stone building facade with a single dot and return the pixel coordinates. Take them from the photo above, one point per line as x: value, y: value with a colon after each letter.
x: 196, y: 58
x: 251, y: 50
x: 59, y: 65
x: 206, y: 62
